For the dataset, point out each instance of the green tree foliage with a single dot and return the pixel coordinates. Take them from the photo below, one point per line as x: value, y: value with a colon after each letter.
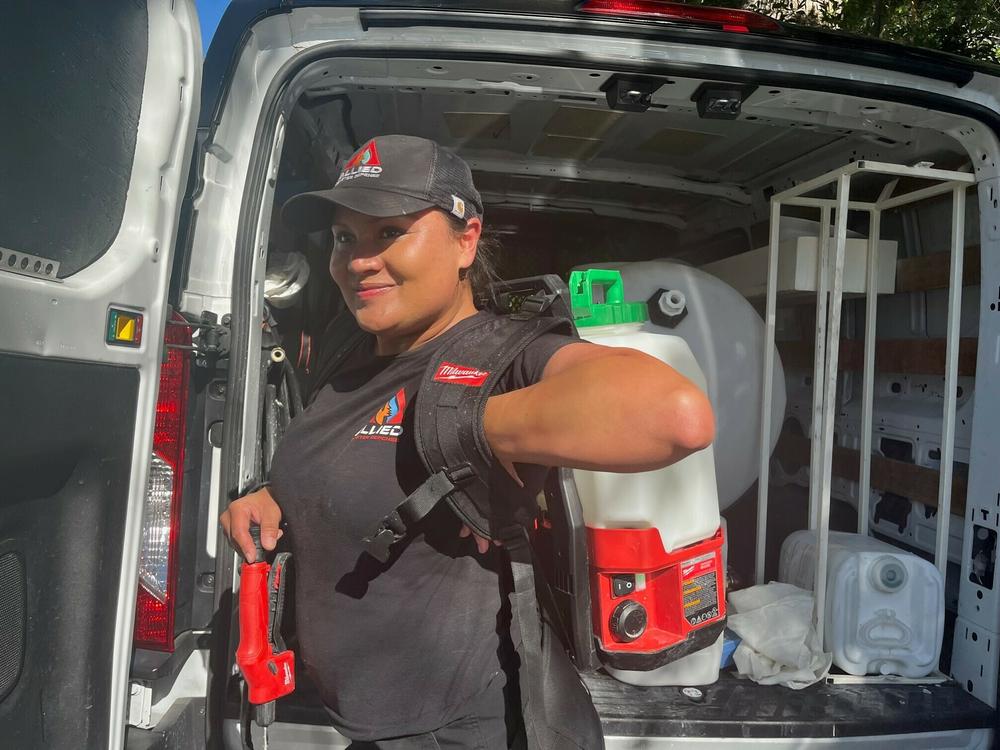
x: 963, y: 27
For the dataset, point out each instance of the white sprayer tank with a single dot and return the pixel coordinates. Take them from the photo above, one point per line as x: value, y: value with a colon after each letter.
x: 884, y: 606
x: 680, y: 500
x: 726, y: 335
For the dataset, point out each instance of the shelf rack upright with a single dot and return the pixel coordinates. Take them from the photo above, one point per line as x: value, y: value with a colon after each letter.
x: 829, y: 298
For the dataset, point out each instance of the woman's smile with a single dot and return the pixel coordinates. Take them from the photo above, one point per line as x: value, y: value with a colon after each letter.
x: 365, y: 292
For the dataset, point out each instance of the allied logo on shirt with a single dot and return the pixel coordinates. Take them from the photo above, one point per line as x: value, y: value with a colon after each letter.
x: 387, y: 424
x: 365, y: 163
x: 460, y: 374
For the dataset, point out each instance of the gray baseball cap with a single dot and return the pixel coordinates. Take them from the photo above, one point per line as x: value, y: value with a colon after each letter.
x: 391, y: 175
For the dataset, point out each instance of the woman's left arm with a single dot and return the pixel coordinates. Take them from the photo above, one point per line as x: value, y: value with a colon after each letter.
x: 601, y: 408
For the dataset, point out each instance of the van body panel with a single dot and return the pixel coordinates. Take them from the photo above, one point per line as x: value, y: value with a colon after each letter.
x: 84, y: 409
x: 794, y: 40
x: 66, y: 468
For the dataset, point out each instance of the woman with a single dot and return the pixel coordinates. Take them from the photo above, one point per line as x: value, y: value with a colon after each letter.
x: 416, y: 652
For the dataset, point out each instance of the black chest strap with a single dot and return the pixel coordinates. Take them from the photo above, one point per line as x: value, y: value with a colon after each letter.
x: 449, y: 431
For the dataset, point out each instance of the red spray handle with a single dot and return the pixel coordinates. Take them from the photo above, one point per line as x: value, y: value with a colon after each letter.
x: 269, y: 675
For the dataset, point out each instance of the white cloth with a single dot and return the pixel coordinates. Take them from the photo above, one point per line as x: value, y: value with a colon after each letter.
x: 780, y: 644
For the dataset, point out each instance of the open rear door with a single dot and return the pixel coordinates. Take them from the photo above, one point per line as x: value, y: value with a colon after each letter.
x: 96, y: 132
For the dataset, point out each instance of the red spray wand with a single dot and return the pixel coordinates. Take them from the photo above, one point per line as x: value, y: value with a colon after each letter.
x: 267, y: 665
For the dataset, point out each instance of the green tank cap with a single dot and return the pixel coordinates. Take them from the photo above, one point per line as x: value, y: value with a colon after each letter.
x: 613, y: 310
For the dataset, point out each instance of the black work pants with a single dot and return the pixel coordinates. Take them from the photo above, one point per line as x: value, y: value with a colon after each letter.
x: 490, y: 722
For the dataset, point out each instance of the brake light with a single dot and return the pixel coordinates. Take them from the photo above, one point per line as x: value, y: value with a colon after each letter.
x: 156, y: 600
x: 742, y: 21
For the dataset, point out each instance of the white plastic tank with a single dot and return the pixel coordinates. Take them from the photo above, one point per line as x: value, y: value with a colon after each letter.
x: 884, y: 606
x: 680, y: 500
x: 726, y: 336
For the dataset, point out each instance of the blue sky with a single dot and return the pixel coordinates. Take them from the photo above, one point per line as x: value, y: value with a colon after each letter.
x: 209, y: 13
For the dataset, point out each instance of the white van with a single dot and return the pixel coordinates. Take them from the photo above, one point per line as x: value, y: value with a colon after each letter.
x: 141, y: 386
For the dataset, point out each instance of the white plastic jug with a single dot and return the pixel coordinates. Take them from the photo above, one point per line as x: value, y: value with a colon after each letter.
x: 680, y: 500
x: 884, y: 606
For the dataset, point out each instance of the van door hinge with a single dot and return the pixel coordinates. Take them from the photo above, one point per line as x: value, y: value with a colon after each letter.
x: 140, y: 703
x: 211, y: 340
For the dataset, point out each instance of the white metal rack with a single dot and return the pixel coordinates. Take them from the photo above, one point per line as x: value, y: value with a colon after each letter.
x: 829, y: 296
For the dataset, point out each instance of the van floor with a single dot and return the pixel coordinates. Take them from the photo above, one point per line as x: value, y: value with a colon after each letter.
x: 736, y: 707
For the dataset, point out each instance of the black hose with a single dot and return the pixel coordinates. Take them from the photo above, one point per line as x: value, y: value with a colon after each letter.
x: 294, y: 389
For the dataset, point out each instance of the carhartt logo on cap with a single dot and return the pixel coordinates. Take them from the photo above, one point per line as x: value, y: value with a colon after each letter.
x: 458, y: 206
x: 365, y: 163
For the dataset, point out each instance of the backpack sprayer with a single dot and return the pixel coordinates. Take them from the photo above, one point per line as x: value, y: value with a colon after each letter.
x: 654, y: 538
x: 267, y: 665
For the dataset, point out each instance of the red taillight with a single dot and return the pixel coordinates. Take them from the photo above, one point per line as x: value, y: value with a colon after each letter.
x: 730, y: 20
x: 155, y: 603
x: 153, y: 622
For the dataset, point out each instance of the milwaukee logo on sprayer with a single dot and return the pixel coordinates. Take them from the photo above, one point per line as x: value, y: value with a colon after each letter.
x: 452, y: 373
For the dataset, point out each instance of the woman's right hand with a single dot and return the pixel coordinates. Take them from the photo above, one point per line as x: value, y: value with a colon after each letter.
x: 257, y: 507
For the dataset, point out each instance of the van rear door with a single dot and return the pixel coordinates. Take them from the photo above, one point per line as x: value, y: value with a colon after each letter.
x: 96, y: 132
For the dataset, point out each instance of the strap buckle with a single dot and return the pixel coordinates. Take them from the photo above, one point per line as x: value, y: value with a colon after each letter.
x: 460, y: 474
x: 534, y: 306
x: 390, y: 530
x: 394, y: 526
x: 378, y: 544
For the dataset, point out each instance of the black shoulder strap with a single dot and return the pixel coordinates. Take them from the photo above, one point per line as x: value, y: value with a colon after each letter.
x: 450, y: 407
x: 449, y: 428
x: 341, y: 337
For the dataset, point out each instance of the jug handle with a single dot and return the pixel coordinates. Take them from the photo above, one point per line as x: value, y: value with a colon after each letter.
x: 884, y: 619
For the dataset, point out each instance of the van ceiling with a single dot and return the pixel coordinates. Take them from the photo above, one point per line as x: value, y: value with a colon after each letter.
x: 545, y: 139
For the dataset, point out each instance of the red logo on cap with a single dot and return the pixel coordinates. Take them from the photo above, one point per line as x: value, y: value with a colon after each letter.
x: 366, y: 157
x: 460, y: 374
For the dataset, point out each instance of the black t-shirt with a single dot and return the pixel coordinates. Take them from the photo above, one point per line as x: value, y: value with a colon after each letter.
x: 395, y: 648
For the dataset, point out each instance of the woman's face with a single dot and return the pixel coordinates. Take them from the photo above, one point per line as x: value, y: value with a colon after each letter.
x: 400, y: 275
